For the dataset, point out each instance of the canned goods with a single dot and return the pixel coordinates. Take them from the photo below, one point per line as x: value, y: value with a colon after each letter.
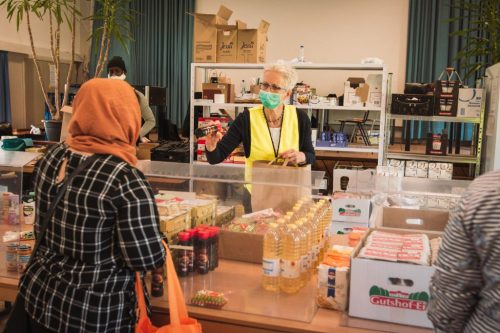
x: 23, y: 257
x: 11, y: 257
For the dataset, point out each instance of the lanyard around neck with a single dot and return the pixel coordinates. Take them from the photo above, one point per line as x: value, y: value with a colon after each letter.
x: 277, y: 149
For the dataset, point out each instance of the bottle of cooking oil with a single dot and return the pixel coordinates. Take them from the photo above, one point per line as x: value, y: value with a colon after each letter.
x: 290, y: 255
x: 271, y: 258
x: 311, y: 217
x: 306, y: 228
x: 304, y: 252
x: 309, y: 225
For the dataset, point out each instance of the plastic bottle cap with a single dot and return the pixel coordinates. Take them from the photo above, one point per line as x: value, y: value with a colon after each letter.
x: 273, y: 225
x: 280, y: 221
x: 183, y: 236
x: 203, y: 234
x: 292, y: 226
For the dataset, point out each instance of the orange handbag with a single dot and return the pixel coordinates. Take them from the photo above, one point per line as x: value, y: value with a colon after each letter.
x: 180, y: 322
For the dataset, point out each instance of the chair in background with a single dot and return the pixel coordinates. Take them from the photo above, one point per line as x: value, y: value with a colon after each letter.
x: 359, y: 125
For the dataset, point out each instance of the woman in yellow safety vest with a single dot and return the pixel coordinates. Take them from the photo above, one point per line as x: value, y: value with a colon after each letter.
x: 270, y: 130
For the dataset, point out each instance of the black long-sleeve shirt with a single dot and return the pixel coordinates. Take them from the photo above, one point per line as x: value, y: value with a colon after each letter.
x: 240, y: 132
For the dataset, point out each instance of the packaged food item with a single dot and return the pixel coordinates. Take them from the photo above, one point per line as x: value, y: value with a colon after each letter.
x: 23, y: 257
x: 29, y: 209
x: 26, y: 235
x: 412, y: 248
x: 209, y: 299
x: 157, y: 282
x: 333, y: 287
x: 11, y: 257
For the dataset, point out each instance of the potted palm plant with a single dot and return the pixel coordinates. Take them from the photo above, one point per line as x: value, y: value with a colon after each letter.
x: 481, y: 36
x: 114, y: 19
x: 57, y: 13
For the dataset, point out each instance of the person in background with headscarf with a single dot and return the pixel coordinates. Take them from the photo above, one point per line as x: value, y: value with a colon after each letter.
x: 118, y: 71
x: 104, y: 229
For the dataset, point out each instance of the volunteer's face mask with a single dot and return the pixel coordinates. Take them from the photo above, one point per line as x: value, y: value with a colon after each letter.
x: 270, y: 100
x: 121, y: 77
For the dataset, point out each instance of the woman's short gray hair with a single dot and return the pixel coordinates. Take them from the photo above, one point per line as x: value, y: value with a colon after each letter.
x: 288, y: 73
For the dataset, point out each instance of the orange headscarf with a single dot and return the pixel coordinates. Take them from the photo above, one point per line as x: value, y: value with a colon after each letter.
x: 106, y: 119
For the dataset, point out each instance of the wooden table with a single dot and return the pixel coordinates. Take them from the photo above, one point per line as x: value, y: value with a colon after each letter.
x: 251, y: 309
x: 231, y: 321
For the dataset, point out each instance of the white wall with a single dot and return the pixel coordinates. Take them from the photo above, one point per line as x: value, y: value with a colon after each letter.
x: 27, y: 103
x: 333, y: 31
x: 16, y: 41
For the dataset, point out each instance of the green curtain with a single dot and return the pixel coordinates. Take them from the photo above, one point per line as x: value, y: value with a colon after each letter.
x: 115, y: 49
x: 5, y: 112
x: 161, y: 50
x: 431, y: 49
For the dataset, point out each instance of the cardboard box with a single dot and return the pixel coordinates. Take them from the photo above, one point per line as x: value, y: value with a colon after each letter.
x: 396, y: 168
x: 345, y: 227
x: 374, y: 82
x: 241, y: 246
x: 205, y: 34
x: 440, y: 170
x: 144, y: 150
x: 350, y: 180
x: 414, y: 219
x: 227, y: 42
x: 469, y: 102
x: 392, y: 291
x: 67, y: 113
x: 351, y: 210
x: 210, y: 89
x: 418, y: 169
x: 351, y: 87
x: 252, y: 44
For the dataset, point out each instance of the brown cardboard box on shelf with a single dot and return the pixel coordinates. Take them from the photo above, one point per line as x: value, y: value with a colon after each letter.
x: 227, y: 42
x: 241, y: 246
x: 210, y: 89
x: 144, y: 150
x: 205, y: 34
x: 252, y: 44
x: 396, y: 291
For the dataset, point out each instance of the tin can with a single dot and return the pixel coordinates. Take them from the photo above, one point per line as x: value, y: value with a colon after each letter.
x: 11, y: 257
x: 23, y: 257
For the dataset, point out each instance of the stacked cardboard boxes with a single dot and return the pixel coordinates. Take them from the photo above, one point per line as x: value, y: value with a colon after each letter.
x: 215, y: 40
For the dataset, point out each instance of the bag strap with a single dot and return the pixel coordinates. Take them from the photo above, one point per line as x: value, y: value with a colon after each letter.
x: 46, y: 217
x: 176, y: 302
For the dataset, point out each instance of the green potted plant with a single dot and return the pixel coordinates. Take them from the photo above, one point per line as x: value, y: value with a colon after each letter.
x: 57, y: 13
x: 482, y: 36
x: 114, y: 19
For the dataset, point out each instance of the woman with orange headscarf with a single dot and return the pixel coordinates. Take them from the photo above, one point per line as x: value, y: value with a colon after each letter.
x: 106, y: 225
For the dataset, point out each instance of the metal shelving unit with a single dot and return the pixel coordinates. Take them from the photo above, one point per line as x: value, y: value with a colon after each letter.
x: 322, y: 107
x: 435, y: 118
x: 433, y: 158
x: 474, y: 159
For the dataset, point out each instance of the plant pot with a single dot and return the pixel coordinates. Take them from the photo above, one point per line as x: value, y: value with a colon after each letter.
x: 53, y: 130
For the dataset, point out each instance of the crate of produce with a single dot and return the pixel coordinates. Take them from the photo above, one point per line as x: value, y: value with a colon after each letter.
x: 171, y: 225
x: 225, y: 214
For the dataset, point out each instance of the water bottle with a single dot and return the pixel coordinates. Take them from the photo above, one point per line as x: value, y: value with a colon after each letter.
x: 301, y: 53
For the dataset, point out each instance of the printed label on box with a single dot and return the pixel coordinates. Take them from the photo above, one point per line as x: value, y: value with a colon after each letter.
x: 397, y: 299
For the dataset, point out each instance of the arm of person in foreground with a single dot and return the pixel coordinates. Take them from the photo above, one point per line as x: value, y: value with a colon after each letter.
x: 457, y: 281
x: 138, y: 224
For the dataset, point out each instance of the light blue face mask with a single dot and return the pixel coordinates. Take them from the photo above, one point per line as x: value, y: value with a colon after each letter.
x: 270, y: 100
